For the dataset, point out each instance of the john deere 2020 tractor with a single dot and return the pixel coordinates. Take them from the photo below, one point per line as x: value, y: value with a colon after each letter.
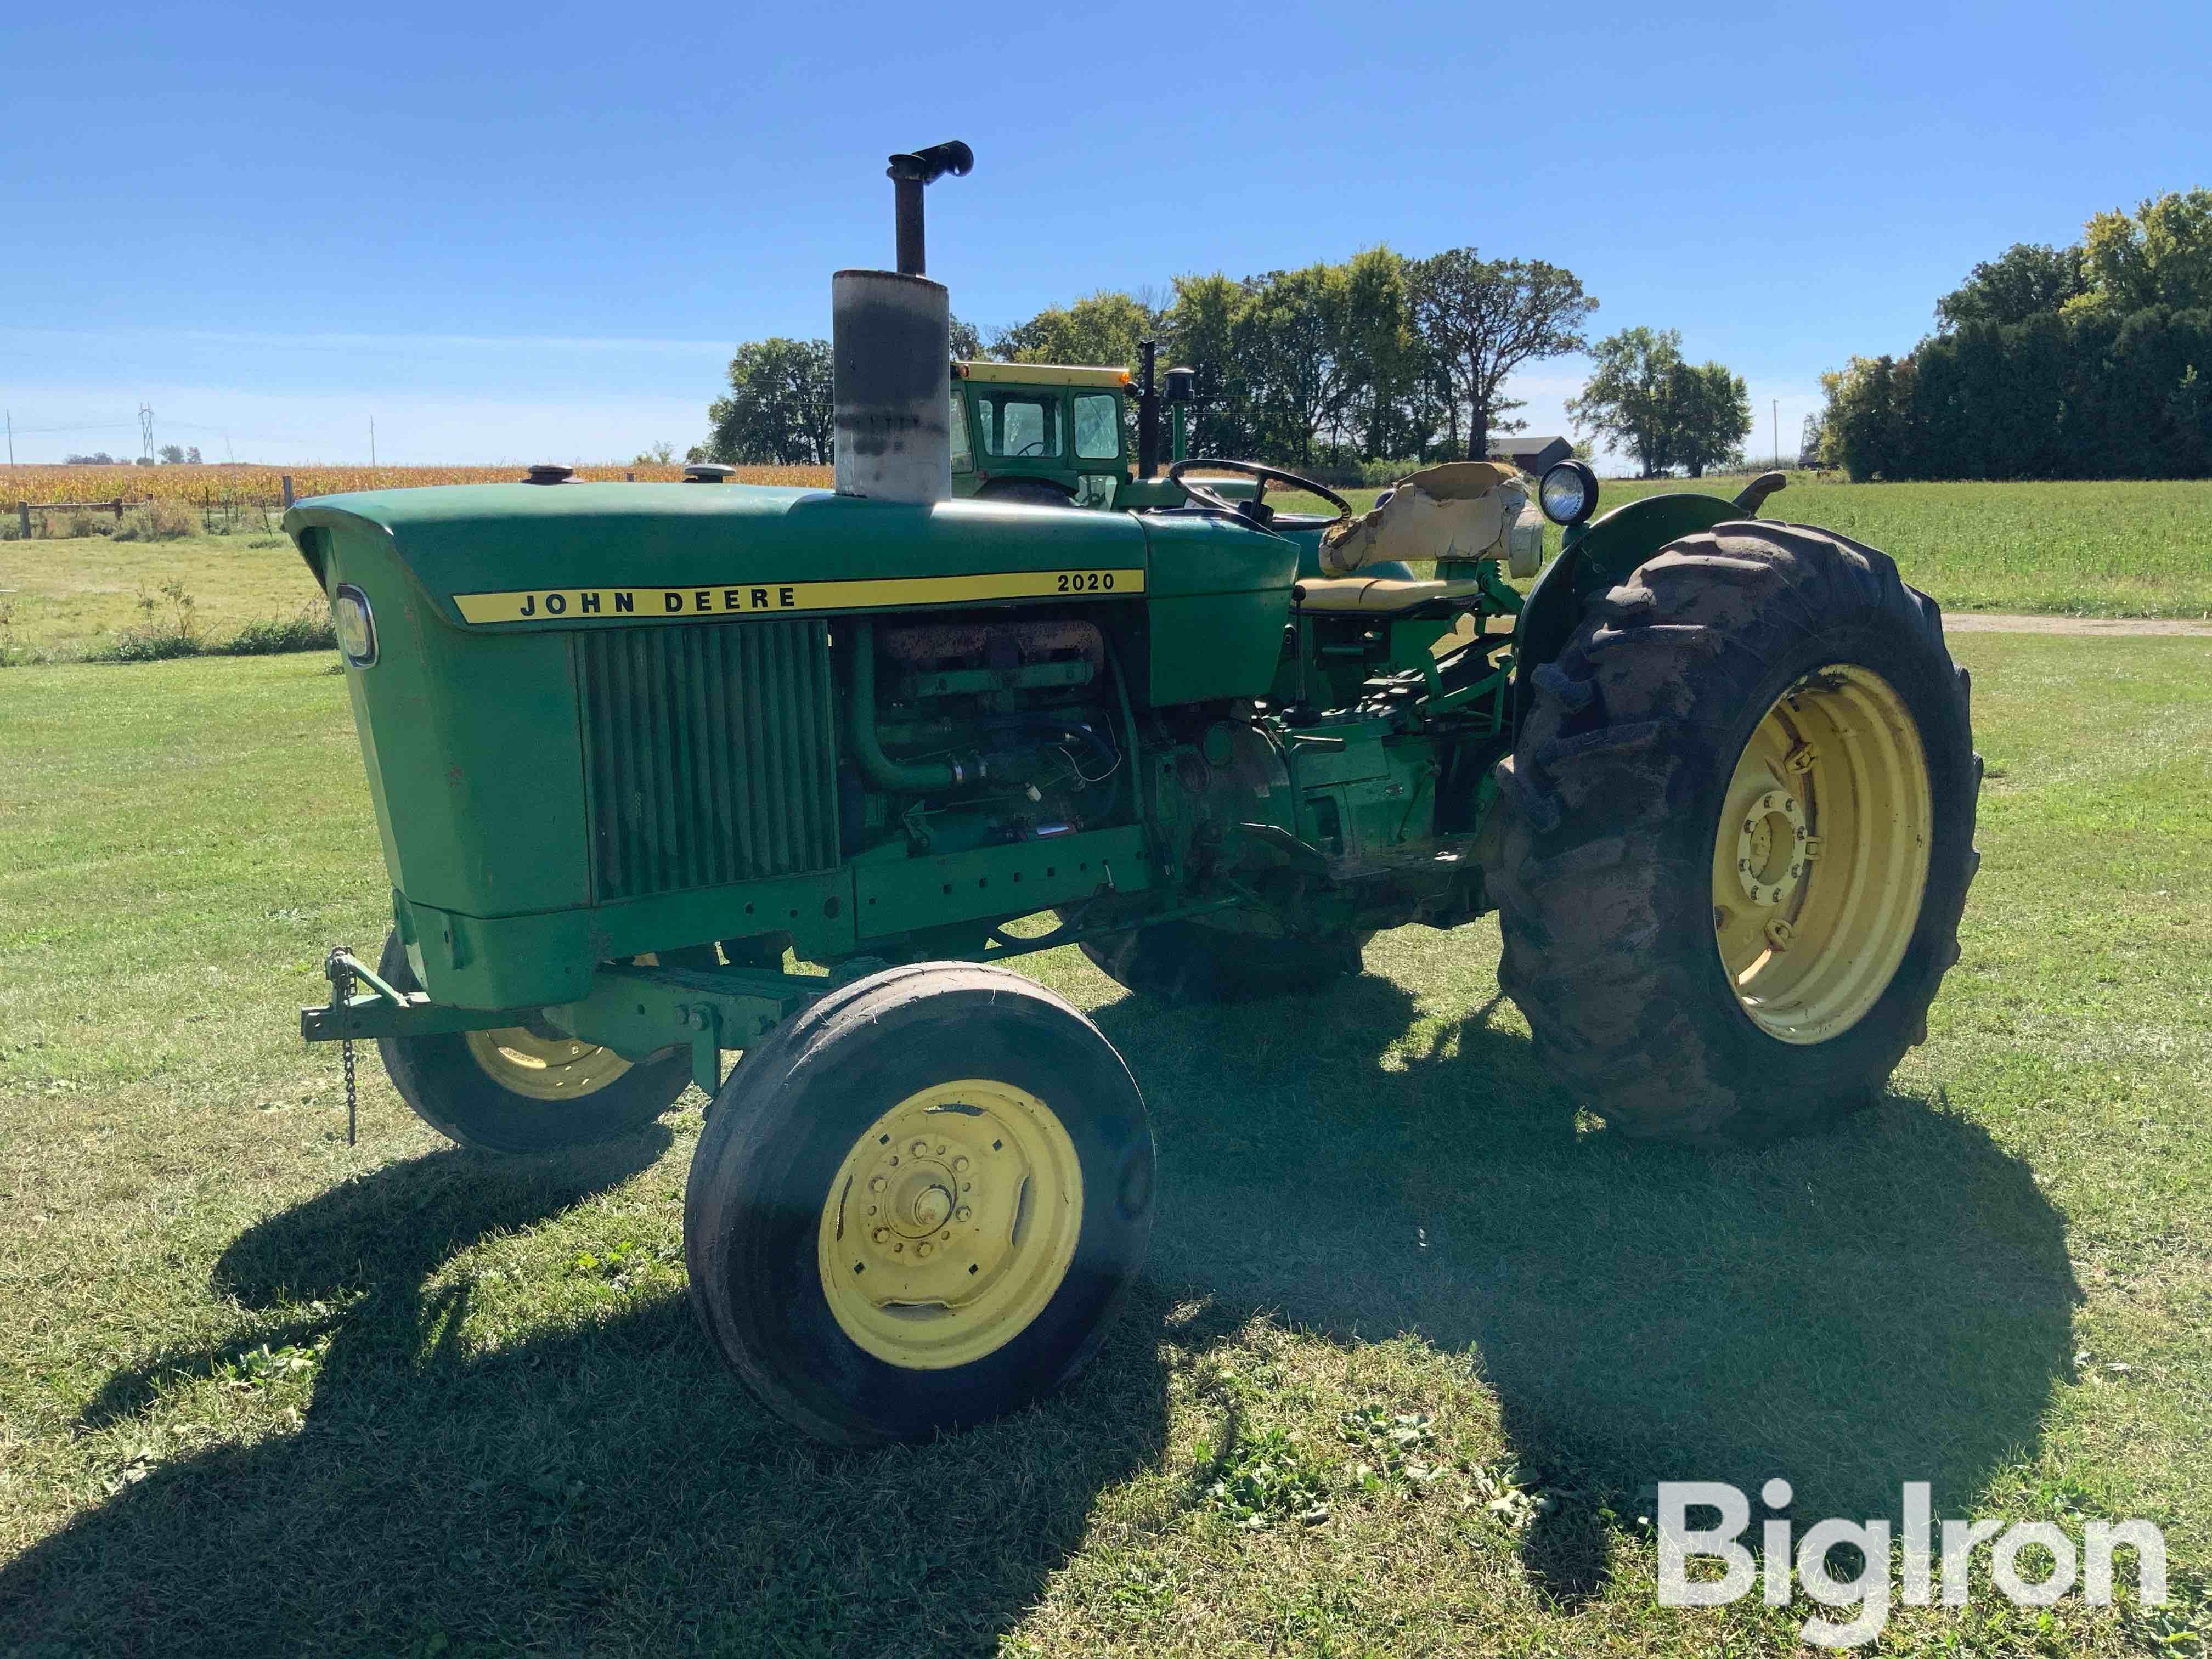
x: 634, y: 749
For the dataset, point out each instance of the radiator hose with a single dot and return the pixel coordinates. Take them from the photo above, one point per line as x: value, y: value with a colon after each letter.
x: 898, y: 777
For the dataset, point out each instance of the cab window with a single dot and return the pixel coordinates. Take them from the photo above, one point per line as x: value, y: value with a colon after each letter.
x: 964, y: 455
x: 1019, y: 425
x: 1098, y: 426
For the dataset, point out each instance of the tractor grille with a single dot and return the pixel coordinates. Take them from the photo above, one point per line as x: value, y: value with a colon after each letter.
x: 709, y: 753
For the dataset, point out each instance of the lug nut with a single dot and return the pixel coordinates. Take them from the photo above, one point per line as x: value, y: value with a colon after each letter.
x: 964, y: 1213
x: 919, y: 1147
x: 923, y: 1249
x: 883, y: 1235
x: 876, y: 1184
x: 960, y: 1166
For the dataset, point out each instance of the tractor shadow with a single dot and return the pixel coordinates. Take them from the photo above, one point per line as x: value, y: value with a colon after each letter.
x: 599, y: 1476
x: 1889, y: 1301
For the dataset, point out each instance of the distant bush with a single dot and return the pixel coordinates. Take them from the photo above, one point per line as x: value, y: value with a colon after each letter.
x: 159, y: 637
x: 83, y: 521
x: 163, y: 638
x: 144, y: 645
x: 158, y: 521
x: 1359, y: 475
x: 309, y: 630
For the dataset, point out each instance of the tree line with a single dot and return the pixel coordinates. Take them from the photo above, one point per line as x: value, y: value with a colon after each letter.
x: 1379, y: 357
x: 2091, y: 360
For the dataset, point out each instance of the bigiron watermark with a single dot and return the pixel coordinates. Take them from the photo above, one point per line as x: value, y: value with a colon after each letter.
x: 1935, y: 1561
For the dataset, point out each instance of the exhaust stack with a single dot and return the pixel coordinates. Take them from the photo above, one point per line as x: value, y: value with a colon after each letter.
x: 890, y: 347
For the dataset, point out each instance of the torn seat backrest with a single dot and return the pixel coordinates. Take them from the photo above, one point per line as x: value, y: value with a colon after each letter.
x: 1456, y: 510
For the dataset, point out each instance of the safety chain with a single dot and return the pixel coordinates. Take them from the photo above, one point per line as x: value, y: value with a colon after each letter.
x: 337, y: 967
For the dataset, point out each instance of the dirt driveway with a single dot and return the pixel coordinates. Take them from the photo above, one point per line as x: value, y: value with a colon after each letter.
x: 1983, y: 622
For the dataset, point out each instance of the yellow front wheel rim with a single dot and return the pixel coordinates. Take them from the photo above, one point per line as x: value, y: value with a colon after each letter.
x: 544, y: 1068
x: 1820, y: 856
x: 951, y: 1225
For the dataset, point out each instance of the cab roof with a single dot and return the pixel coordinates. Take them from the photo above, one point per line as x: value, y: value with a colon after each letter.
x: 1043, y: 374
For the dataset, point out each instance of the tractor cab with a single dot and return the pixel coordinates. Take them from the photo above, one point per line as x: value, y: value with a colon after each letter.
x: 1044, y: 434
x: 1053, y: 435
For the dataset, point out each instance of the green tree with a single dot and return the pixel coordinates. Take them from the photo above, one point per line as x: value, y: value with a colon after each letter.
x: 967, y: 341
x: 1480, y: 319
x: 1868, y: 417
x: 2027, y: 280
x: 2160, y: 255
x: 1209, y: 328
x: 1629, y: 401
x: 779, y: 407
x: 1813, y: 442
x: 1388, y: 408
x: 1709, y: 414
x: 1102, y: 329
x: 1298, y: 369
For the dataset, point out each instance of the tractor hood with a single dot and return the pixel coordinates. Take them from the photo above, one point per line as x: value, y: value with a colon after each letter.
x: 518, y: 557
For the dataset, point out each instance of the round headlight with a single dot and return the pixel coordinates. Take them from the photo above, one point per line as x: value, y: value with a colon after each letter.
x: 1568, y: 492
x: 354, y: 624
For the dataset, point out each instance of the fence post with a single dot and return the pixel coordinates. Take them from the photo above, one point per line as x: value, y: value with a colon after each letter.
x: 629, y: 478
x: 118, y: 505
x: 288, y: 489
x: 23, y: 511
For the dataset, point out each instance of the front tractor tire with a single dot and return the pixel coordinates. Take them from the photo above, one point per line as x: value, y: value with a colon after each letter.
x: 517, y: 1090
x: 918, y: 1203
x: 1738, y: 833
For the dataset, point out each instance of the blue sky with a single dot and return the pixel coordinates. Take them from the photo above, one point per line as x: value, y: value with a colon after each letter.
x: 513, y: 234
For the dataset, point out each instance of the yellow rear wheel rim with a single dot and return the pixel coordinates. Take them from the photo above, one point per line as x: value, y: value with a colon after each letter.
x: 544, y: 1068
x: 1820, y: 856
x: 951, y: 1225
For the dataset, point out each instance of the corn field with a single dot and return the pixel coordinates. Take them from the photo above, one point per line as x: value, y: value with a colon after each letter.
x: 198, y: 485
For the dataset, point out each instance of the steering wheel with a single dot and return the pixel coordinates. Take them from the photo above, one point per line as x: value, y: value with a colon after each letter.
x: 1256, y: 510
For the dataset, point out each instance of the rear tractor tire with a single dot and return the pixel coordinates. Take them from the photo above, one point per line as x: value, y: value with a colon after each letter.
x: 521, y: 1089
x: 1738, y: 833
x: 918, y: 1203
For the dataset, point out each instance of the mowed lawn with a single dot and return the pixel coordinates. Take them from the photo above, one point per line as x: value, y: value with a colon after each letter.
x: 2094, y: 550
x: 1417, y: 1340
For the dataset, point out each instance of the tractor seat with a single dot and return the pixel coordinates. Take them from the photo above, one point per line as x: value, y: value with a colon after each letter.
x: 1375, y: 596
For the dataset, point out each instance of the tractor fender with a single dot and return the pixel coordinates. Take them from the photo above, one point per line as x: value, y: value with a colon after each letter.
x: 1593, y: 558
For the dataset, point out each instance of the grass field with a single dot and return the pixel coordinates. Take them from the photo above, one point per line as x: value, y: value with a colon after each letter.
x: 2106, y: 549
x: 2091, y: 549
x: 1417, y: 1339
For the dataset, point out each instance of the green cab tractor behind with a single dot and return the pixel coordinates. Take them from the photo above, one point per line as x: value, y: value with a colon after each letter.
x: 1053, y: 434
x: 632, y: 748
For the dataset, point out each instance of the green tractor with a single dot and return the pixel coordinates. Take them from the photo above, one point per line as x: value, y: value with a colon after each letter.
x: 637, y: 750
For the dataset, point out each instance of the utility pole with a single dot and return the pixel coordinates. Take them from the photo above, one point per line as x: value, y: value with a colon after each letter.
x: 11, y: 440
x: 1778, y: 432
x: 372, y: 443
x: 146, y: 432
